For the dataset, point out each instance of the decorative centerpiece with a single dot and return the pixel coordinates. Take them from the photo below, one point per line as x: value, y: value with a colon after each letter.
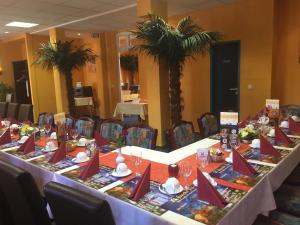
x: 216, y: 155
x: 27, y: 130
x: 248, y: 133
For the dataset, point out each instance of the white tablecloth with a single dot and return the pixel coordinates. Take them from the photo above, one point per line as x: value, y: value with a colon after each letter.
x: 129, y: 108
x: 258, y: 200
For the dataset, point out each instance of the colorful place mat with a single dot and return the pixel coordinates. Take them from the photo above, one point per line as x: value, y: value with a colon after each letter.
x: 185, y: 203
x: 296, y: 141
x: 254, y: 154
x: 43, y: 163
x: 290, y: 133
x: 100, y: 180
x: 37, y: 152
x: 10, y: 145
x: 226, y: 173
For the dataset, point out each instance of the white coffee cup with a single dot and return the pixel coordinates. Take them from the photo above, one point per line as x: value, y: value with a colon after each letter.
x: 284, y: 124
x: 121, y: 169
x: 82, y: 141
x: 50, y: 146
x: 53, y: 135
x: 295, y: 118
x: 272, y: 132
x: 81, y: 156
x: 172, y: 185
x: 14, y: 126
x: 256, y: 143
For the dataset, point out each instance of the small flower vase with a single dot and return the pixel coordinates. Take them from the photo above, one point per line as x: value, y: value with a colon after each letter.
x: 120, y: 158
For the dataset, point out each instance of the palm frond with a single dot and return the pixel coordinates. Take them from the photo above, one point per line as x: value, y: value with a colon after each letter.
x: 187, y: 27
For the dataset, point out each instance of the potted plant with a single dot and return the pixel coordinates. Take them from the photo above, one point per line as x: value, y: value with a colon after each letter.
x: 4, y: 90
x: 65, y: 57
x: 174, y: 45
x: 129, y: 63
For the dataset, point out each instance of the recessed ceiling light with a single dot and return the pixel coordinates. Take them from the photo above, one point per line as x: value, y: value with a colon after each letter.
x: 78, y: 34
x: 21, y: 24
x: 6, y: 32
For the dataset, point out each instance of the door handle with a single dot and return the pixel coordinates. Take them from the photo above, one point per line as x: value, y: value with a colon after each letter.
x: 27, y: 89
x: 232, y: 89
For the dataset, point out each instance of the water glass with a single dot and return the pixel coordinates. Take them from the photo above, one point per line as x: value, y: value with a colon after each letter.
x: 202, y: 157
x: 136, y: 158
x: 234, y: 141
x: 185, y: 170
x: 74, y: 134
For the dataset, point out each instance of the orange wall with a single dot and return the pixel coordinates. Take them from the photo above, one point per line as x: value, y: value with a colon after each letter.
x: 251, y: 22
x: 11, y: 51
x: 286, y: 61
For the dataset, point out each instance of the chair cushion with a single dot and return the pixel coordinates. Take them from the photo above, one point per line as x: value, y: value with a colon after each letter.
x: 111, y: 131
x: 142, y: 137
x: 184, y: 135
x: 287, y: 199
x: 209, y: 124
x: 85, y: 128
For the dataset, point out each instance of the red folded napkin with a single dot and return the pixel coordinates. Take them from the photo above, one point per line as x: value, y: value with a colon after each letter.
x: 28, y: 145
x: 92, y: 167
x: 267, y: 148
x: 142, y: 187
x: 241, y: 165
x: 100, y: 141
x: 242, y: 124
x: 281, y: 137
x: 293, y: 126
x: 59, y: 154
x: 5, y: 137
x: 207, y: 192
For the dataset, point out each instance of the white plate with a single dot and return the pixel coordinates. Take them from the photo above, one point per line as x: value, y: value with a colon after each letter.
x: 115, y: 174
x: 74, y: 160
x: 52, y: 150
x: 253, y: 146
x: 229, y: 160
x: 165, y: 192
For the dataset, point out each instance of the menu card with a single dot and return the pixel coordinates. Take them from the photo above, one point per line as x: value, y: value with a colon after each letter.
x: 228, y: 125
x: 59, y: 120
x: 272, y: 106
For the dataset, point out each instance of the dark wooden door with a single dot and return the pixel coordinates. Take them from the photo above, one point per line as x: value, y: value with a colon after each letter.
x: 22, y: 84
x: 225, y: 77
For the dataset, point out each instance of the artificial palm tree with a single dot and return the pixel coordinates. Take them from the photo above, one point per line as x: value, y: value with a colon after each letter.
x: 174, y: 45
x: 66, y: 57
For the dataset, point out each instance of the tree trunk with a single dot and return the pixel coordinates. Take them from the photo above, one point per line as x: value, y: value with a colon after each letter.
x: 70, y: 93
x: 175, y: 92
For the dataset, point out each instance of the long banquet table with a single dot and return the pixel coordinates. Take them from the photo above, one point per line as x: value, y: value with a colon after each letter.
x: 258, y: 199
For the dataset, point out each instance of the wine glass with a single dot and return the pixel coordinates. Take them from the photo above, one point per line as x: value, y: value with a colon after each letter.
x: 47, y: 129
x: 91, y: 148
x: 74, y: 134
x: 185, y: 170
x: 136, y: 158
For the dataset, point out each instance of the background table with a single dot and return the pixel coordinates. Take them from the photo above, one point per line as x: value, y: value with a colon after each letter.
x: 140, y: 109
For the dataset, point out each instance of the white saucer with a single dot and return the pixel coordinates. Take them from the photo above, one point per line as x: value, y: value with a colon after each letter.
x: 283, y: 127
x: 229, y: 160
x: 22, y: 142
x: 81, y: 145
x: 253, y: 146
x: 74, y: 160
x: 115, y: 174
x: 212, y: 181
x: 269, y: 135
x: 52, y: 150
x: 165, y: 192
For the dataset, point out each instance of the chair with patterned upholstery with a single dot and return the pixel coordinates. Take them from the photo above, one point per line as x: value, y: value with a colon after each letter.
x: 69, y: 122
x: 3, y: 109
x: 208, y: 125
x: 141, y: 136
x: 111, y: 130
x: 45, y: 118
x: 182, y: 134
x: 12, y: 111
x: 293, y: 110
x: 85, y: 126
x: 25, y: 113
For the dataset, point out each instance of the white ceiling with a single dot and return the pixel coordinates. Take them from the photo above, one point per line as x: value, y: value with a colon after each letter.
x: 84, y: 15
